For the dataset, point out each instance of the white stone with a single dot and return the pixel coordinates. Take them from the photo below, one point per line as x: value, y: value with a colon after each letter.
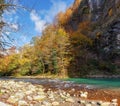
x: 22, y: 103
x: 114, y: 100
x: 82, y: 101
x: 3, y: 104
x: 28, y: 92
x: 51, y: 96
x: 39, y: 98
x: 70, y: 100
x: 40, y: 93
x: 55, y: 103
x: 12, y: 99
x: 83, y: 94
x: 105, y: 104
x: 46, y: 103
x: 2, y: 91
x: 29, y: 98
x: 19, y: 95
x: 68, y: 95
x: 31, y: 104
x: 73, y: 89
x: 41, y: 90
x: 88, y: 105
x: 115, y: 104
x: 93, y: 102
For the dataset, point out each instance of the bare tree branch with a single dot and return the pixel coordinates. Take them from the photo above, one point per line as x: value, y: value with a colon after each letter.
x: 13, y: 5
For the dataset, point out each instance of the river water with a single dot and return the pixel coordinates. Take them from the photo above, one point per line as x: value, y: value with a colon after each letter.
x: 98, y: 82
x: 72, y: 82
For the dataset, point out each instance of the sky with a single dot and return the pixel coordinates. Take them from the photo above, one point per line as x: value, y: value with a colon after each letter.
x: 30, y: 21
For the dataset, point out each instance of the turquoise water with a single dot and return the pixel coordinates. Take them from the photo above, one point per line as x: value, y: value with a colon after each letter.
x: 111, y: 83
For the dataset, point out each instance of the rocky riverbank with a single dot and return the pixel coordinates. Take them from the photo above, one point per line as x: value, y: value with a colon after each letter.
x: 19, y: 93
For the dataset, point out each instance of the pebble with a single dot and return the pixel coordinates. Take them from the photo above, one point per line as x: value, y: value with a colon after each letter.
x: 12, y: 99
x: 46, y: 103
x: 83, y: 94
x: 68, y: 95
x: 88, y: 105
x: 114, y: 104
x: 55, y: 103
x: 95, y: 103
x: 83, y: 101
x: 29, y: 98
x: 39, y: 97
x: 114, y: 100
x: 105, y: 104
x: 25, y: 94
x: 73, y: 90
x: 19, y: 95
x: 69, y: 100
x: 22, y: 103
x: 28, y: 92
x: 3, y: 104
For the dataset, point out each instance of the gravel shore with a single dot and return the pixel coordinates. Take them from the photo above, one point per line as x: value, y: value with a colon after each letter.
x: 18, y: 93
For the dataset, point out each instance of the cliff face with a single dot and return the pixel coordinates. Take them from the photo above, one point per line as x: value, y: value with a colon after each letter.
x: 104, y: 18
x: 107, y: 20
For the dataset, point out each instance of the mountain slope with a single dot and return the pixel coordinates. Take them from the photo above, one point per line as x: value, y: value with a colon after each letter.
x: 104, y: 24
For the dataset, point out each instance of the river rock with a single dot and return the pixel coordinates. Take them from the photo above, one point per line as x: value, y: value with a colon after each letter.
x: 46, y: 103
x: 28, y: 92
x: 5, y: 96
x: 22, y: 103
x: 40, y: 93
x: 2, y: 90
x: 70, y: 100
x: 12, y: 99
x: 3, y: 104
x: 29, y: 98
x: 68, y: 95
x: 40, y: 89
x: 83, y: 94
x: 114, y: 100
x: 63, y: 96
x: 88, y: 105
x: 39, y: 97
x: 82, y: 101
x: 51, y: 96
x: 73, y: 89
x: 94, y: 103
x: 114, y: 104
x: 105, y: 104
x: 19, y: 95
x: 55, y: 103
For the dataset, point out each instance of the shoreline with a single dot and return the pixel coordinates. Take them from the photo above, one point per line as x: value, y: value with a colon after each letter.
x: 73, y: 94
x: 58, y: 77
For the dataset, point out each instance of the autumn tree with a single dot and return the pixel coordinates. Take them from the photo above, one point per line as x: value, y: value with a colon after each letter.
x: 52, y: 48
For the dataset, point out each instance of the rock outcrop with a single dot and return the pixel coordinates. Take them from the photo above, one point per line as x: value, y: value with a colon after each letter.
x: 104, y: 18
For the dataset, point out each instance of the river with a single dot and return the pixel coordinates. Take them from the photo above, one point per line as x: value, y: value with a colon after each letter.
x: 72, y: 82
x: 98, y: 89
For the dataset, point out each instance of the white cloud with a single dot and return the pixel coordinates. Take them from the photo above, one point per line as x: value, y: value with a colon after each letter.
x: 47, y: 16
x: 39, y: 23
x: 57, y: 6
x: 14, y: 26
x: 8, y: 33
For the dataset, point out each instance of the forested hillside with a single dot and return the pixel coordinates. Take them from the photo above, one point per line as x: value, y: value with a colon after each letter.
x: 83, y: 41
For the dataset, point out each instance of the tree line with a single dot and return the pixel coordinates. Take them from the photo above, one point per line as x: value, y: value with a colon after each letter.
x: 57, y: 51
